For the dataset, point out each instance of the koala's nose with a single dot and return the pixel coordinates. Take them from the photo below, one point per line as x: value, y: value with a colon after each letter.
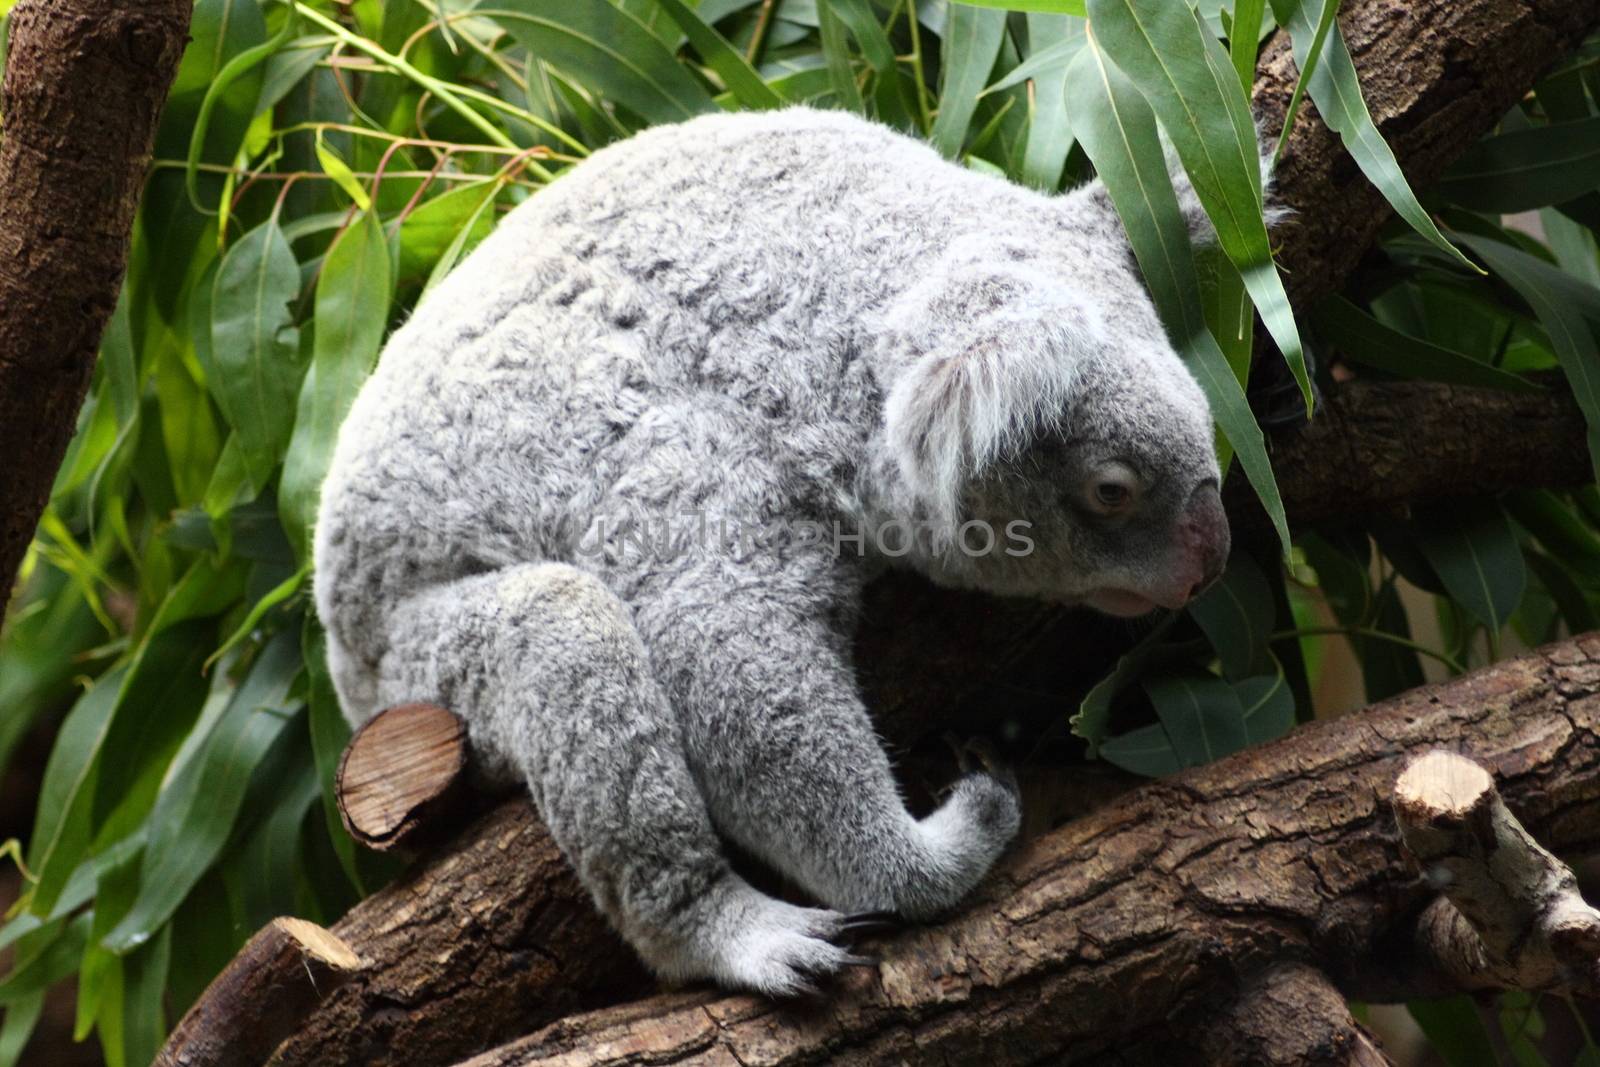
x: 1203, y: 533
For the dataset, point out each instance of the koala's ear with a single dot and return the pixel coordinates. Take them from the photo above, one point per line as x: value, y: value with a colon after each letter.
x: 926, y: 422
x: 986, y: 356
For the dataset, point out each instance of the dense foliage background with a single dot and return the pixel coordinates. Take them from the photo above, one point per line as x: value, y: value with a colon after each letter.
x: 321, y: 165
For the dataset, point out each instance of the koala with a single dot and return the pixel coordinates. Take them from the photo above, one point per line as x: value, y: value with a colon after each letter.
x: 612, y: 494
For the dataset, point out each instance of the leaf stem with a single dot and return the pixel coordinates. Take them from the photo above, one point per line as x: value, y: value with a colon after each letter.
x: 1376, y: 635
x: 444, y: 92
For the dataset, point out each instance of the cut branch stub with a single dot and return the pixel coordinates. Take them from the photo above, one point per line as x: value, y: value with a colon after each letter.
x: 262, y: 997
x: 1510, y: 915
x: 403, y: 776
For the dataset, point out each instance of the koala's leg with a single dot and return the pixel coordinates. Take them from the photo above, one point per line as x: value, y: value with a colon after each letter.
x: 546, y: 667
x: 785, y: 753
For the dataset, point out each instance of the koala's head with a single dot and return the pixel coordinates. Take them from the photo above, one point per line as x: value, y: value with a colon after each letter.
x: 1044, y: 425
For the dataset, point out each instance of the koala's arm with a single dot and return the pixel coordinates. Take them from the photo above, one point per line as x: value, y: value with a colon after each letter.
x: 754, y: 655
x: 777, y: 735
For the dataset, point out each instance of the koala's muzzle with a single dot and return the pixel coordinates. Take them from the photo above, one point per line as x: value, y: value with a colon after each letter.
x: 1202, y: 544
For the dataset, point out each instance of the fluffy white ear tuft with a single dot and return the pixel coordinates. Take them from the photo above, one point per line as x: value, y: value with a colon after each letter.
x: 989, y: 358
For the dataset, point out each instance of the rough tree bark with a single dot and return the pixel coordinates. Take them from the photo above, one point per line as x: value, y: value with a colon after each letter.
x: 84, y: 84
x: 1121, y: 933
x: 494, y: 937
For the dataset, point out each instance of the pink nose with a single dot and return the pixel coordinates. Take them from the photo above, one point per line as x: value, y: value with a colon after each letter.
x: 1203, y: 538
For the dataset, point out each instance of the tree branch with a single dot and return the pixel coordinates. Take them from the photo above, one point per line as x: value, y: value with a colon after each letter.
x: 1290, y: 1016
x: 85, y: 81
x: 1510, y: 916
x: 1167, y: 900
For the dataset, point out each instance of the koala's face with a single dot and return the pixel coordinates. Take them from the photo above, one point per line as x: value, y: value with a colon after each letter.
x: 1118, y: 509
x: 1043, y: 401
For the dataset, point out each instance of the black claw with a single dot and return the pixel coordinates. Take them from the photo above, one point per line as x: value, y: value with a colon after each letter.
x: 861, y: 961
x: 868, y: 923
x: 958, y: 748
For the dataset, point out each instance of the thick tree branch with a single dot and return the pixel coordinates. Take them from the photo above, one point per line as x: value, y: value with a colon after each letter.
x: 1166, y: 900
x: 84, y: 84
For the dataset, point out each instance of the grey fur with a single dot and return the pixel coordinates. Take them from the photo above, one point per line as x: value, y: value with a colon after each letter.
x: 774, y: 319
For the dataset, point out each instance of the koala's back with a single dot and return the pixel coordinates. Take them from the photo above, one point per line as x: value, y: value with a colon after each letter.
x: 730, y: 266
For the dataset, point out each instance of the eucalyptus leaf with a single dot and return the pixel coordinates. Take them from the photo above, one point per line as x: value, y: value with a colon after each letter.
x: 1362, y: 339
x: 1475, y: 553
x: 1182, y: 71
x: 1541, y: 285
x: 608, y: 51
x: 352, y: 309
x: 254, y: 345
x: 1146, y: 750
x: 1118, y: 132
x: 1236, y: 615
x: 1526, y: 169
x: 971, y: 46
x: 1202, y: 716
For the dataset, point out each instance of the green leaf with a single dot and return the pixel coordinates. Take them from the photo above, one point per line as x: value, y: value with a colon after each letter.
x: 145, y: 983
x: 1146, y: 750
x: 1526, y: 169
x: 51, y: 964
x: 1042, y: 62
x: 868, y: 32
x: 1049, y: 128
x: 61, y: 825
x: 196, y: 811
x: 255, y: 345
x: 1166, y: 51
x: 22, y: 1014
x: 1337, y: 93
x: 1455, y: 1031
x: 1236, y: 615
x: 1362, y: 339
x: 835, y: 46
x: 1307, y: 62
x: 1472, y: 548
x: 330, y: 732
x: 1541, y: 285
x: 1094, y: 712
x: 1118, y: 132
x: 1049, y: 7
x: 155, y: 708
x: 971, y: 45
x: 1576, y: 608
x: 734, y: 70
x: 334, y: 166
x: 1243, y: 40
x: 352, y: 309
x: 1268, y: 707
x: 235, y: 69
x: 607, y: 51
x: 1201, y: 714
x: 428, y: 232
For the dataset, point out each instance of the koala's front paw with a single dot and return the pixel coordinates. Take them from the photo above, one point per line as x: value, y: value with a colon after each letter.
x: 963, y: 838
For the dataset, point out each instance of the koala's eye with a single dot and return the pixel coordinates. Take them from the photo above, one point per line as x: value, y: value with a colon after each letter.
x: 1113, y: 489
x: 1111, y: 494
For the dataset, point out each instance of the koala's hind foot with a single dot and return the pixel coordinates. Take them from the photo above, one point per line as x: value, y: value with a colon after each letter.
x: 747, y: 940
x: 544, y: 664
